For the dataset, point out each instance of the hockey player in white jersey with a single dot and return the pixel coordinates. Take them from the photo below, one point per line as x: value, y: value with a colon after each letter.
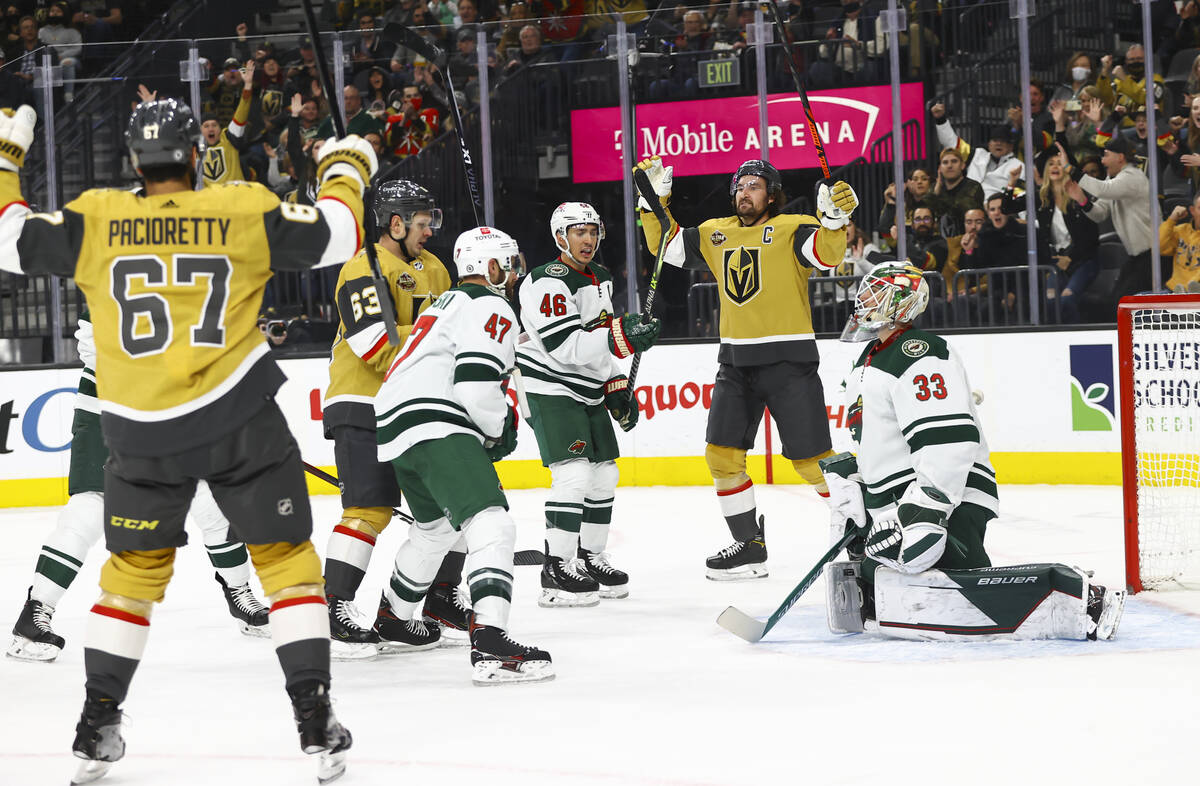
x: 922, y: 490
x: 442, y: 417
x: 574, y: 383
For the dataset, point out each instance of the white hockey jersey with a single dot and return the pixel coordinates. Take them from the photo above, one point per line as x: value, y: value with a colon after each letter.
x: 912, y: 414
x: 566, y: 314
x: 447, y: 378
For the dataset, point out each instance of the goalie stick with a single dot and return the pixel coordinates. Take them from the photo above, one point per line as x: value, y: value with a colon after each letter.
x: 791, y: 61
x: 382, y: 292
x: 526, y: 557
x: 742, y: 625
x: 408, y: 38
x: 642, y: 181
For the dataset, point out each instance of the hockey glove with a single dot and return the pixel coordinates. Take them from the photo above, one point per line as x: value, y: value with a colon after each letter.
x: 619, y: 400
x: 660, y: 177
x: 506, y: 443
x: 630, y: 334
x: 352, y: 156
x: 16, y: 135
x: 834, y: 205
x: 883, y: 541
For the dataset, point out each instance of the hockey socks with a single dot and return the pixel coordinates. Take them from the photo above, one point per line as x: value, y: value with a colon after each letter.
x: 350, y: 547
x: 491, y: 535
x: 418, y: 561
x: 300, y: 630
x: 80, y: 525
x: 597, y: 507
x: 117, y: 630
x: 736, y: 496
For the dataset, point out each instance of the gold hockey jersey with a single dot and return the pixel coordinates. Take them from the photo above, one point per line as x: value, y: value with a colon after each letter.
x: 174, y: 283
x: 222, y: 162
x: 360, y: 354
x: 762, y: 274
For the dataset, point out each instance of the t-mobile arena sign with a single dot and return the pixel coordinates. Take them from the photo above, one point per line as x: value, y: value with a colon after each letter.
x: 715, y: 135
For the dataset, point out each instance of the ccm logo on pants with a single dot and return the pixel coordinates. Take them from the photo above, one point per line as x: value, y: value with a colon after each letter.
x: 118, y: 521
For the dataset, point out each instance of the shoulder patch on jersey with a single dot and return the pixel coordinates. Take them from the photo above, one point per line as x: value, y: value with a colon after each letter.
x: 557, y: 269
x: 407, y: 282
x: 717, y: 237
x: 914, y: 347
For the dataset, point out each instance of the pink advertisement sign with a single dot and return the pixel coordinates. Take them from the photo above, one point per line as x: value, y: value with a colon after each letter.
x: 715, y: 135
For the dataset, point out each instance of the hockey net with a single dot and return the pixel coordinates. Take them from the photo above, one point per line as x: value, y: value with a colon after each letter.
x: 1159, y: 348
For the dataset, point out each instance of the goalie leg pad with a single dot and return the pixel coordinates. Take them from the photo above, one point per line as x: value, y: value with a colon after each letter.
x: 843, y: 597
x: 416, y: 564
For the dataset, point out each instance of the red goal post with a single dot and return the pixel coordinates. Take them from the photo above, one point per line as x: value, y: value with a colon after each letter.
x: 1160, y: 438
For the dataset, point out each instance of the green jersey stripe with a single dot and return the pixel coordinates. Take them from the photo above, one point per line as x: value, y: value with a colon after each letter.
x: 978, y: 482
x: 475, y: 372
x: 934, y: 419
x: 534, y: 363
x: 904, y: 474
x: 476, y: 357
x: 558, y: 324
x: 945, y: 435
x: 556, y: 340
x: 588, y: 392
x: 985, y: 470
x: 413, y: 402
x: 392, y: 431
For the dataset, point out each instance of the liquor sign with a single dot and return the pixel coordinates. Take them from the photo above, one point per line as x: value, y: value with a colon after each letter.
x: 715, y: 135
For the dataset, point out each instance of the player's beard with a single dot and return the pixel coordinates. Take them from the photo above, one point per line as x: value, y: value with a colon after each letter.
x: 747, y: 212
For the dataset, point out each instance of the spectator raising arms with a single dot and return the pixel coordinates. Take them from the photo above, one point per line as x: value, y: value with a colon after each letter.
x: 223, y: 148
x: 1179, y: 236
x: 954, y: 193
x: 991, y: 167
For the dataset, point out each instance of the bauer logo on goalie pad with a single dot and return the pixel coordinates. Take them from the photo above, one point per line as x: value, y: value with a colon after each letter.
x: 576, y: 447
x: 743, y: 275
x: 1008, y: 580
x: 914, y: 347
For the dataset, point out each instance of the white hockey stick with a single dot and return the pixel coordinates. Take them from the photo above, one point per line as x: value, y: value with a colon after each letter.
x: 519, y: 385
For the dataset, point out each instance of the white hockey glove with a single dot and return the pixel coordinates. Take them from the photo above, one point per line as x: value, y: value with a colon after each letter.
x: 352, y: 156
x: 845, y: 500
x: 16, y: 135
x: 834, y: 205
x: 912, y: 537
x: 660, y: 177
x: 87, y: 344
x: 884, y: 539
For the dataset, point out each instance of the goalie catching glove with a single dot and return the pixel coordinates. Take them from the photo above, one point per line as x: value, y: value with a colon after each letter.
x: 618, y: 398
x: 499, y: 447
x: 834, y: 205
x: 630, y: 334
x: 16, y: 135
x: 911, y: 537
x: 660, y: 177
x: 351, y: 156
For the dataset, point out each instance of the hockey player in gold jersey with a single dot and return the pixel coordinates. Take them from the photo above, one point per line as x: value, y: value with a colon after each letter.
x: 407, y: 217
x: 762, y: 260
x: 174, y: 278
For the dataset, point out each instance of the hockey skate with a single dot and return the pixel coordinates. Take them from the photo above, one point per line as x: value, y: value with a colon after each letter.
x: 567, y: 584
x: 446, y: 607
x: 33, y: 639
x: 613, y: 583
x: 348, y: 640
x: 741, y: 561
x: 251, y: 616
x: 397, y: 635
x: 319, y: 729
x: 497, y: 659
x: 98, y: 738
x: 1104, y: 608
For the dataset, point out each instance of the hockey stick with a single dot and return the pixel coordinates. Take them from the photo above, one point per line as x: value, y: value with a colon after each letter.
x: 408, y: 38
x: 742, y: 625
x: 526, y: 557
x: 808, y: 113
x: 382, y: 292
x: 642, y: 181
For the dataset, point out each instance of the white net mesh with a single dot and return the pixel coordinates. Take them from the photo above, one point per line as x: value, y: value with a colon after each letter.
x: 1166, y: 412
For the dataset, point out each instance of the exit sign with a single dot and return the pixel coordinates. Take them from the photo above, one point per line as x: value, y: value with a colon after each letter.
x: 720, y: 73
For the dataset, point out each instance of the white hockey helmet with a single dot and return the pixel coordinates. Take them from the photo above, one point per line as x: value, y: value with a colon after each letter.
x: 475, y: 248
x: 889, y: 294
x: 572, y: 214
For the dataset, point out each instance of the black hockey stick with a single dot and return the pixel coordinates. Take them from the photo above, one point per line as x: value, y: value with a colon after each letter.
x: 742, y: 625
x: 382, y: 292
x: 526, y: 557
x: 409, y: 39
x: 642, y: 181
x: 791, y: 61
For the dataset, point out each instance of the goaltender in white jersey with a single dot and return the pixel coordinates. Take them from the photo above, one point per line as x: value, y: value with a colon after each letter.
x: 921, y: 492
x: 442, y: 417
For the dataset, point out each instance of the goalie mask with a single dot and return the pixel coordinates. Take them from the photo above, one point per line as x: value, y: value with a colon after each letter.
x: 403, y: 198
x: 573, y: 214
x: 161, y: 133
x: 888, y: 295
x: 476, y: 248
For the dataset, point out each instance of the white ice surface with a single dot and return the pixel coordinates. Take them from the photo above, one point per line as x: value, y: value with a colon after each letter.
x: 649, y: 689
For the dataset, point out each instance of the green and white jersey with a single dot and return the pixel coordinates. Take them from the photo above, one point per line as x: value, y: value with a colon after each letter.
x: 85, y: 398
x: 447, y: 377
x: 566, y: 314
x: 912, y: 414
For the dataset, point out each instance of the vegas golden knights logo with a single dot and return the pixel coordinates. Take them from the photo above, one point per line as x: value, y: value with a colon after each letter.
x: 214, y: 163
x: 743, y: 275
x: 272, y: 103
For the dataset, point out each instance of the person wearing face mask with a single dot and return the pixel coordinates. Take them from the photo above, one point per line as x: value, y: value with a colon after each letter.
x: 67, y: 42
x: 1126, y: 84
x: 1079, y: 73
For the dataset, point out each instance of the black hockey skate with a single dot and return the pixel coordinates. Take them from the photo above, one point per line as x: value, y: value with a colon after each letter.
x: 397, y: 635
x: 741, y: 561
x: 613, y: 583
x: 319, y: 729
x: 245, y: 608
x: 33, y: 639
x: 567, y: 584
x: 445, y: 607
x: 497, y: 659
x: 1104, y: 609
x: 349, y: 640
x: 98, y: 738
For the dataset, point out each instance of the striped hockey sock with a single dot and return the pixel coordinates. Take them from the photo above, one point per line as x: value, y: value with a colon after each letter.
x: 490, y: 537
x: 300, y: 630
x: 231, y: 560
x: 593, y: 531
x: 80, y: 525
x: 736, y: 496
x: 346, y: 559
x: 563, y: 520
x: 113, y: 646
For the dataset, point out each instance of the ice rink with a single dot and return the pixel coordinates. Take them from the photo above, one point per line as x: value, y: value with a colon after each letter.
x: 649, y: 689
